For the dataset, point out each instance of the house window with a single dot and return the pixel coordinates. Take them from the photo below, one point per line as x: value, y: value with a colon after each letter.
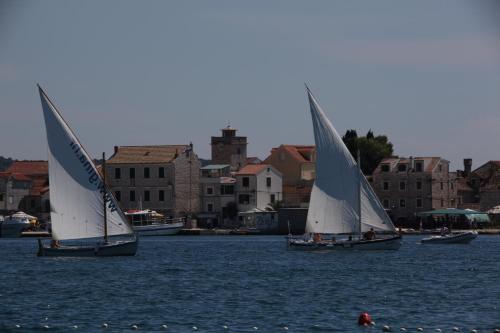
x: 226, y: 189
x: 246, y: 181
x: 118, y: 195
x: 146, y: 172
x: 273, y: 198
x: 210, y: 207
x: 402, y: 185
x: 161, y: 172
x: 451, y: 185
x: 442, y: 202
x: 419, y: 166
x: 146, y: 195
x: 384, y: 168
x: 11, y: 199
x: 238, y: 151
x: 268, y: 181
x: 401, y: 167
x: 440, y: 167
x: 161, y: 195
x: 131, y: 173
x: 210, y: 190
x: 244, y: 199
x: 385, y: 203
x: 402, y: 203
x: 118, y: 173
x: 385, y: 186
x: 132, y: 196
x: 32, y: 203
x: 419, y: 202
x: 441, y: 186
x: 1, y: 197
x: 419, y: 184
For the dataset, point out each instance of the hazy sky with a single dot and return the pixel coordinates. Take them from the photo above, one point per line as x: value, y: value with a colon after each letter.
x: 425, y: 73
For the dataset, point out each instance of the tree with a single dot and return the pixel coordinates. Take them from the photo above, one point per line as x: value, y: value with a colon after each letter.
x: 372, y: 149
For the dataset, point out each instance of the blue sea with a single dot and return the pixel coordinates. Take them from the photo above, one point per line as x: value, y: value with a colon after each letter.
x: 251, y: 284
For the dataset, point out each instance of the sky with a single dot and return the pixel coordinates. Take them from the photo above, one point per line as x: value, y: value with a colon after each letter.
x: 425, y: 73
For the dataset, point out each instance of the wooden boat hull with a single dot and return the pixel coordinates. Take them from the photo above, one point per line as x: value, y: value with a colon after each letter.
x: 119, y: 248
x: 159, y: 229
x: 392, y: 243
x: 460, y: 238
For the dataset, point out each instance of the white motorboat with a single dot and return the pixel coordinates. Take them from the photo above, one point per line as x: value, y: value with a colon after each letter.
x: 342, y: 201
x: 15, y: 224
x: 82, y: 208
x: 452, y: 238
x: 151, y: 223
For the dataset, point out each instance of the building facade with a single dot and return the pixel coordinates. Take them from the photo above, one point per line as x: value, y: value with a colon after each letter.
x: 406, y: 186
x: 164, y: 178
x: 297, y: 165
x: 258, y: 186
x: 218, y: 206
x: 229, y: 149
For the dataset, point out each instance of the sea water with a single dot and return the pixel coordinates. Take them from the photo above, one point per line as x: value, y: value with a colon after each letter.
x: 251, y: 284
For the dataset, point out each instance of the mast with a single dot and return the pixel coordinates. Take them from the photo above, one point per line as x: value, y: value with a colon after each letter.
x: 359, y: 192
x: 104, y: 198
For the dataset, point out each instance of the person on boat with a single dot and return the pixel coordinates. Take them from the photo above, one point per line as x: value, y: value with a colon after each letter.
x: 445, y: 231
x: 316, y: 237
x: 54, y: 244
x: 369, y: 235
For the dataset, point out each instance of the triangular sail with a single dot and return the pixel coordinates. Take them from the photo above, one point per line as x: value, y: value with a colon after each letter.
x: 334, y: 205
x: 76, y: 187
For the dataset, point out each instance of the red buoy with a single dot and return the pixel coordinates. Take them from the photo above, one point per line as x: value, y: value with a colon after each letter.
x: 364, y: 319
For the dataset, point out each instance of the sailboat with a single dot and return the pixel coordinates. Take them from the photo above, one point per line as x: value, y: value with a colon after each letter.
x: 86, y: 219
x: 342, y: 203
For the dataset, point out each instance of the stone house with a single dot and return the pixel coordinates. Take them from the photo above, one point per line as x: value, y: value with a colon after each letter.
x: 229, y: 149
x: 258, y: 186
x: 406, y: 186
x: 164, y: 178
x: 217, y: 195
x: 296, y: 163
x: 24, y: 186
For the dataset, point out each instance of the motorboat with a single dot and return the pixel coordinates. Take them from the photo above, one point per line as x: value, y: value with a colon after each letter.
x: 151, y: 223
x: 464, y: 237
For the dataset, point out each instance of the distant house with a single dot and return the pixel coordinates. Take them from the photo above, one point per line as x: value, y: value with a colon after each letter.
x: 406, y: 186
x: 258, y: 186
x: 24, y: 186
x: 217, y: 195
x: 296, y: 163
x: 164, y: 178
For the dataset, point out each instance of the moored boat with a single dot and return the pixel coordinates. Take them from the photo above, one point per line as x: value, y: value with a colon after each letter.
x: 343, y: 204
x: 85, y: 216
x: 452, y: 238
x: 15, y: 224
x: 151, y: 223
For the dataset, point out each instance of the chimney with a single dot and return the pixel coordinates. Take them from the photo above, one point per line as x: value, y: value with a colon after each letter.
x: 467, y: 166
x: 116, y: 149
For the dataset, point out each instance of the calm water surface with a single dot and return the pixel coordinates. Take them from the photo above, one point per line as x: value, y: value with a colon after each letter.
x: 251, y: 282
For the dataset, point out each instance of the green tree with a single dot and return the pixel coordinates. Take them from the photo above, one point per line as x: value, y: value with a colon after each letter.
x: 372, y: 149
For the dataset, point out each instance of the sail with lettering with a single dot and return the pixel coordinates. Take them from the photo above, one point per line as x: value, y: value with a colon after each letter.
x: 336, y: 199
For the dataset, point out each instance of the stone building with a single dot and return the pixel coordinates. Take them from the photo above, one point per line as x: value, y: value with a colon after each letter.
x: 217, y: 196
x: 406, y: 186
x: 229, y: 149
x: 24, y: 186
x: 479, y: 189
x: 164, y: 178
x: 297, y: 166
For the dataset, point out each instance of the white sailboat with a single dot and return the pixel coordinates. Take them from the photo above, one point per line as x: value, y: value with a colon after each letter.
x: 342, y: 201
x: 83, y: 212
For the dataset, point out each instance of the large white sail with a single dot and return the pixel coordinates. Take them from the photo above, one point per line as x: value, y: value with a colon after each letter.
x: 76, y: 187
x: 334, y: 205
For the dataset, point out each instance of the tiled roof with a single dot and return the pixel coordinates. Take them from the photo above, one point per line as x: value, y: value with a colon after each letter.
x: 146, y: 154
x: 16, y: 176
x: 299, y: 152
x: 252, y: 169
x: 29, y: 167
x: 430, y: 162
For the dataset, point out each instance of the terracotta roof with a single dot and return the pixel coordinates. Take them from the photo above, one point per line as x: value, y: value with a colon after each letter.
x: 146, y: 154
x: 29, y: 167
x: 300, y: 152
x: 16, y: 176
x: 252, y: 169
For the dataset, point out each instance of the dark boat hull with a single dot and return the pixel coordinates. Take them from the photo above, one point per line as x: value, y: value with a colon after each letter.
x: 460, y: 238
x: 392, y: 243
x: 111, y: 249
